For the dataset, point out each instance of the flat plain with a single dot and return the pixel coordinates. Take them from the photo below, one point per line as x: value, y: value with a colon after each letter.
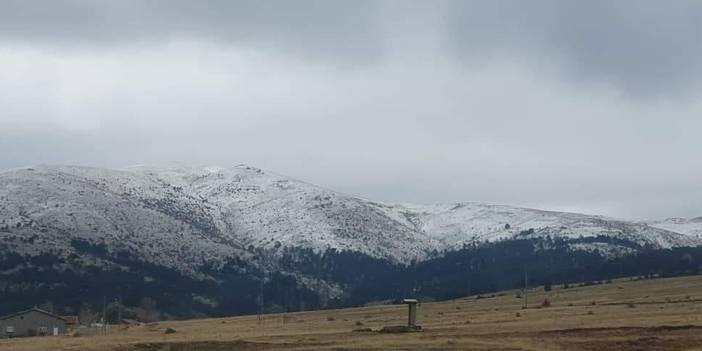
x: 654, y: 314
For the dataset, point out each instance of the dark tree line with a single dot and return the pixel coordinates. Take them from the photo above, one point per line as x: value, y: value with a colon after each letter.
x: 239, y: 288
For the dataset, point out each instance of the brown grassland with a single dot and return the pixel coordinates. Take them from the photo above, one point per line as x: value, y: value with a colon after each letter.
x: 659, y: 314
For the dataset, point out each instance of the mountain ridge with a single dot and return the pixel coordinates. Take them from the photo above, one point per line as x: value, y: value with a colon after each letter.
x: 210, y: 240
x: 237, y: 208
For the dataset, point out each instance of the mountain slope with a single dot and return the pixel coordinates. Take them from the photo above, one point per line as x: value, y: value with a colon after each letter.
x: 186, y: 217
x: 456, y: 224
x: 212, y: 240
x: 691, y: 227
x: 267, y: 210
x: 55, y: 207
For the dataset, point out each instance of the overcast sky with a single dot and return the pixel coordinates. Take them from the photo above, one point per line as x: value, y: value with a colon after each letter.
x: 589, y: 106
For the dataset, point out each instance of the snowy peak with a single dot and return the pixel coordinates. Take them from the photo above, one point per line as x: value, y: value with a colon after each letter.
x: 269, y: 211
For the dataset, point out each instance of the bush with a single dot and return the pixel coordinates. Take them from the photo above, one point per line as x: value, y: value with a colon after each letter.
x: 330, y: 318
x: 169, y: 331
x: 546, y: 303
x: 359, y: 323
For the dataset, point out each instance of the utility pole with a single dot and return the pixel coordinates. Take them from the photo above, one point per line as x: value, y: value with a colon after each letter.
x: 119, y: 310
x: 260, y: 301
x: 104, y: 314
x: 526, y: 286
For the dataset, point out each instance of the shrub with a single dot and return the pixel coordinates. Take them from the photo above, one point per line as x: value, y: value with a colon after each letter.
x: 169, y: 331
x: 359, y: 323
x: 546, y: 303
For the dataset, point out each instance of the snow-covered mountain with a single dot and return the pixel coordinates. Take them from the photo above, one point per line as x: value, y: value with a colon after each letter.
x: 47, y: 209
x: 456, y: 224
x: 187, y: 217
x: 209, y: 240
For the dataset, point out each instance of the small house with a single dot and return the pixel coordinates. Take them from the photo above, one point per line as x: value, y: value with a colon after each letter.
x: 31, y: 322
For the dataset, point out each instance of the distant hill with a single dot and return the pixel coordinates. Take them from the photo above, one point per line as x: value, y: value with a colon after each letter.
x: 212, y: 239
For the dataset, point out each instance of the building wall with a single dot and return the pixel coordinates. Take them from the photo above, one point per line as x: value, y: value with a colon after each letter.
x: 32, y: 323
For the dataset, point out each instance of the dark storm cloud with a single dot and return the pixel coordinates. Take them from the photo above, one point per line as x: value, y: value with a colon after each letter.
x: 340, y: 30
x: 644, y: 47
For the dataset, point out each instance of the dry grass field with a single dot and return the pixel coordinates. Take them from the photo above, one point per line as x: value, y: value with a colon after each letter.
x: 660, y: 314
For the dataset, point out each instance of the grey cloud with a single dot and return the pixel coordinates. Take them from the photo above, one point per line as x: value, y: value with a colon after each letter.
x: 447, y: 101
x: 645, y: 48
x: 342, y: 31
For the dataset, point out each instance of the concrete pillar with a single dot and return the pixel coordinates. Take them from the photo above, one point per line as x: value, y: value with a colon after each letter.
x: 412, y: 312
x: 412, y: 321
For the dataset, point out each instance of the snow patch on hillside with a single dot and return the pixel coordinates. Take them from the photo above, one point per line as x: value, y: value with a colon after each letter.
x: 691, y: 227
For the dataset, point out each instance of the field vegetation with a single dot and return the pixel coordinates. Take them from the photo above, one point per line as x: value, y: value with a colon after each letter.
x: 647, y: 314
